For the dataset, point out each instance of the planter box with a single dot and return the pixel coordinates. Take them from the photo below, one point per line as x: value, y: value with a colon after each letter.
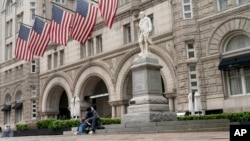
x: 39, y: 132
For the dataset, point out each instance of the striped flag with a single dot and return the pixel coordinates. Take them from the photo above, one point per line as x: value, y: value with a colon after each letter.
x: 108, y: 10
x: 84, y: 21
x: 39, y: 37
x: 22, y: 51
x: 60, y: 25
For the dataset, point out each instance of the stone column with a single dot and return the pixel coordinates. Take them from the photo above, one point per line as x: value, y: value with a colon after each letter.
x: 171, y: 96
x: 113, y: 111
x: 123, y: 109
x: 171, y: 104
x: 148, y: 103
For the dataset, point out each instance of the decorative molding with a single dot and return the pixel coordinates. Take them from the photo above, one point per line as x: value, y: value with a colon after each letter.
x: 220, y: 15
x: 9, y: 62
x: 221, y: 33
x: 100, y: 64
x: 118, y: 103
x: 170, y: 94
x: 12, y: 83
x: 58, y: 74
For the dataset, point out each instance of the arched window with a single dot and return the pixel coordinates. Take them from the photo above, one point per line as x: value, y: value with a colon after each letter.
x: 19, y: 3
x: 238, y: 66
x: 238, y: 42
x: 9, y: 7
x: 7, y: 109
x: 18, y: 106
x: 7, y: 98
x: 19, y: 96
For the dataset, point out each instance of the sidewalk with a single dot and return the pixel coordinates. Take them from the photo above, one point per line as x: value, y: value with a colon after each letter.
x: 180, y: 136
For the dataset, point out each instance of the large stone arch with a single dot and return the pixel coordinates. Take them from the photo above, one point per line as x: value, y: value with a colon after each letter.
x: 4, y: 3
x: 235, y: 24
x: 167, y: 72
x: 102, y: 65
x: 89, y: 71
x: 61, y: 75
x: 47, y: 96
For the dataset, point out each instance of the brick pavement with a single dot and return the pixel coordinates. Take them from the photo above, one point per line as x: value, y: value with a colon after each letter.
x: 180, y: 136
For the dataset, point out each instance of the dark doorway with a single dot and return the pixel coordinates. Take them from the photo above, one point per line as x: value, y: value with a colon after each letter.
x: 101, y: 103
x: 95, y: 93
x: 64, y: 112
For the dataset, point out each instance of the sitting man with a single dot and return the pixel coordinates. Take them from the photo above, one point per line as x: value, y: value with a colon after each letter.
x: 90, y: 119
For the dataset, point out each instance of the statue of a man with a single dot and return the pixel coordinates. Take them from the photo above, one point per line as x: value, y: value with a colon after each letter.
x: 145, y: 27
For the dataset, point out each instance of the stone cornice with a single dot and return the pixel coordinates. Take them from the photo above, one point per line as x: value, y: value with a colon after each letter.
x: 191, y: 61
x: 170, y: 94
x: 226, y: 54
x: 12, y: 83
x: 212, y: 57
x: 48, y: 113
x: 117, y: 103
x: 9, y: 62
x: 150, y: 3
x: 3, y: 11
x: 220, y: 15
x: 163, y: 37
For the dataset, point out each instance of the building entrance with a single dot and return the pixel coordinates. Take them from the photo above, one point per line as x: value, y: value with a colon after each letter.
x: 64, y: 112
x: 96, y: 94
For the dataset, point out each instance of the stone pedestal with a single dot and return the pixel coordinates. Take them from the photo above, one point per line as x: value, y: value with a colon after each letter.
x: 148, y: 103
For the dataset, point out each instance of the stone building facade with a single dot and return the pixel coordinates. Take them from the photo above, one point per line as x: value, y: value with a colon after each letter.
x: 201, y: 44
x: 101, y: 67
x: 19, y: 80
x: 217, y: 32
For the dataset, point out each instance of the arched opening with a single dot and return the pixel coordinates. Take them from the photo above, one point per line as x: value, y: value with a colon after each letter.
x: 19, y: 96
x: 95, y: 93
x: 7, y: 99
x: 9, y: 8
x: 64, y: 112
x: 18, y: 107
x: 237, y: 66
x: 7, y: 109
x: 57, y: 105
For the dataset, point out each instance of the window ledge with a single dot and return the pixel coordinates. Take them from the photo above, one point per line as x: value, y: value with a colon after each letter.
x: 236, y: 52
x: 237, y: 96
x: 191, y: 61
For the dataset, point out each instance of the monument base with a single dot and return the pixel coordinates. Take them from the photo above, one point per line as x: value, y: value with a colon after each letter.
x: 148, y: 103
x: 148, y: 117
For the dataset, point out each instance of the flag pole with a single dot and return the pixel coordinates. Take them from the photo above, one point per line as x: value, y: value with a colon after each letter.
x: 62, y: 6
x: 42, y: 17
x: 25, y: 24
x: 94, y: 1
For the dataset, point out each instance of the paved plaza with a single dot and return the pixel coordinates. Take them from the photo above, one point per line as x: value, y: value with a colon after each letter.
x: 180, y: 136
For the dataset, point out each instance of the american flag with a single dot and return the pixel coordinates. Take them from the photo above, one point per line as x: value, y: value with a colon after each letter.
x: 22, y: 51
x: 60, y: 25
x: 39, y: 37
x: 108, y: 10
x: 84, y: 21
